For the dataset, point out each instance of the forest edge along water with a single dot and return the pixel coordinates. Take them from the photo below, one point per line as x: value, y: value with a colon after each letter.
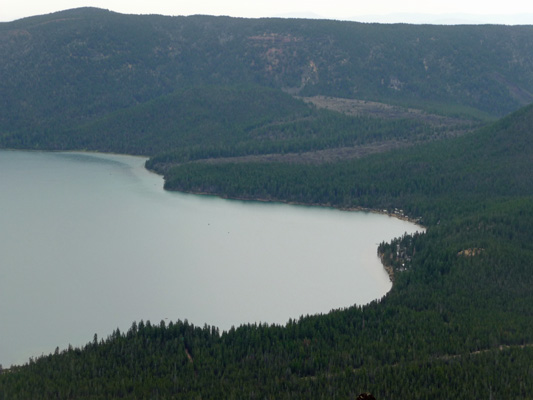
x: 92, y: 242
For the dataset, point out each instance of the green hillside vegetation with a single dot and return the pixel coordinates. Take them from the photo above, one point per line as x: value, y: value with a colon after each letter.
x: 66, y: 69
x: 210, y: 101
x: 430, y: 181
x: 221, y: 121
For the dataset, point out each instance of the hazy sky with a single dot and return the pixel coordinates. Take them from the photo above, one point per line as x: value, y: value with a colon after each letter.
x: 337, y: 9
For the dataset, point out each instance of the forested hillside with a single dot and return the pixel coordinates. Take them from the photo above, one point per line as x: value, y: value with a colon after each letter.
x: 211, y: 102
x: 434, y: 180
x: 220, y: 121
x: 66, y: 69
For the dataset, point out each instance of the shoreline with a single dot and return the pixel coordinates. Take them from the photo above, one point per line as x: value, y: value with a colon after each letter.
x: 392, y: 214
x: 386, y: 266
x: 396, y: 213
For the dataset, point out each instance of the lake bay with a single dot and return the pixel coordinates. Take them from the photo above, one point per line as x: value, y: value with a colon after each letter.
x: 92, y: 242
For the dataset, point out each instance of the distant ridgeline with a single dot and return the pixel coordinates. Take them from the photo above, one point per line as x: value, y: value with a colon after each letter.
x: 318, y: 112
x: 71, y: 68
x: 97, y: 80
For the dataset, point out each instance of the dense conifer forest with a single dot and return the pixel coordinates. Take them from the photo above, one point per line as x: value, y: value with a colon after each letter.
x: 228, y: 107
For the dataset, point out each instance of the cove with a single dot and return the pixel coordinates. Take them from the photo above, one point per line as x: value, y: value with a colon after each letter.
x: 92, y: 242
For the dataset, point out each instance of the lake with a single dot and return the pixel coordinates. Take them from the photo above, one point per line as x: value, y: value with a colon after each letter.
x: 91, y: 242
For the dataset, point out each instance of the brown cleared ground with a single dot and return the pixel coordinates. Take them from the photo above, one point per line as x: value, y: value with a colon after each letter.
x: 380, y: 110
x: 353, y: 107
x: 449, y: 127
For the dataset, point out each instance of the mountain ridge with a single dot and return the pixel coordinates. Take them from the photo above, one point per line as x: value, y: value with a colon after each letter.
x: 104, y: 61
